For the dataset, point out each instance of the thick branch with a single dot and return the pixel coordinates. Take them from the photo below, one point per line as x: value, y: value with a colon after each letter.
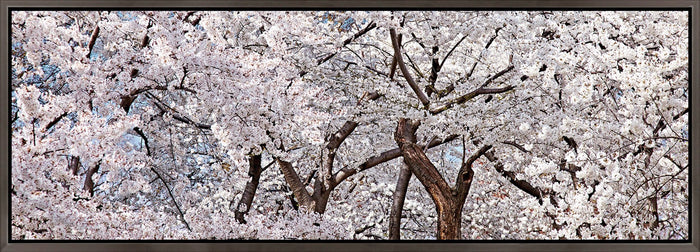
x: 466, y: 173
x: 435, y: 67
x: 333, y: 144
x: 392, y: 70
x: 371, y: 96
x: 464, y: 98
x: 89, y: 185
x: 93, y: 38
x: 521, y: 184
x: 74, y: 164
x: 402, y: 65
x: 381, y: 158
x: 298, y: 188
x: 145, y: 40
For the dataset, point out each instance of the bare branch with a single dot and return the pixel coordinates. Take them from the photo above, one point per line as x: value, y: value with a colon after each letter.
x: 499, y: 74
x: 176, y: 115
x: 162, y: 88
x: 55, y: 121
x: 399, y: 59
x: 145, y: 140
x: 451, y: 50
x: 661, y: 125
x: 516, y: 145
x: 93, y: 38
x: 381, y: 158
x: 464, y: 98
x: 466, y: 173
x: 170, y: 192
x: 332, y: 147
x: 488, y: 44
x: 189, y: 121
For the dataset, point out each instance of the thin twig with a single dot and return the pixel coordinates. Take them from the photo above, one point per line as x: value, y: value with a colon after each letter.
x: 172, y: 197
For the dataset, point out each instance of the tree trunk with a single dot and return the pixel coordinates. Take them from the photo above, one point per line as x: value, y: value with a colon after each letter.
x: 397, y: 206
x: 449, y: 220
x: 322, y: 201
x: 449, y: 201
x: 89, y: 185
x: 247, y: 199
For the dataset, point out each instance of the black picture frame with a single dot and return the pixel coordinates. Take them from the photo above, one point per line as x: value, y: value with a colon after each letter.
x: 692, y: 6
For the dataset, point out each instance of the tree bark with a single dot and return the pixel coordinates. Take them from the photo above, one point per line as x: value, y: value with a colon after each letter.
x: 449, y: 220
x: 324, y: 184
x: 294, y: 182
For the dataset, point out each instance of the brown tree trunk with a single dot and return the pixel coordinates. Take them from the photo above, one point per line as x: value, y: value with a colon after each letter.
x: 449, y: 221
x: 448, y: 201
x: 397, y: 205
x: 247, y: 199
x: 322, y: 201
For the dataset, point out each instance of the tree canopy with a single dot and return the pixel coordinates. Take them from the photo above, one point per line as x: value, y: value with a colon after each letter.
x: 349, y: 125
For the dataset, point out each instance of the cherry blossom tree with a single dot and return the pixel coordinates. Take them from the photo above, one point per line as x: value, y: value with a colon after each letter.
x: 349, y: 125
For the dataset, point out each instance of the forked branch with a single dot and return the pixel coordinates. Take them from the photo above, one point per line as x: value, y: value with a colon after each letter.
x: 402, y: 65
